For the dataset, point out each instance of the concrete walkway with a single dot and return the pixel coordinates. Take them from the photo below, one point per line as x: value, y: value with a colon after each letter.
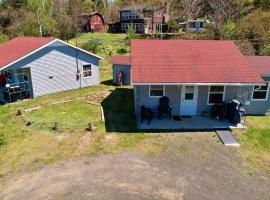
x: 227, y: 138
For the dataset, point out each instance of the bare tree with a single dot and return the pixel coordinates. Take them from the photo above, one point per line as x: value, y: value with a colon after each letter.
x: 221, y: 12
x: 186, y: 9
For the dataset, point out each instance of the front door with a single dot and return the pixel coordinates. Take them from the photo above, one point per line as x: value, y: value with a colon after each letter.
x: 189, y: 98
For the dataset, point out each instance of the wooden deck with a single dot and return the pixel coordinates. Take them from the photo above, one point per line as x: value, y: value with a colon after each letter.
x: 194, y: 123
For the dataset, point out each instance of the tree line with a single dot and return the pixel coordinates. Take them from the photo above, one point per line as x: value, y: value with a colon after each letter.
x: 246, y: 21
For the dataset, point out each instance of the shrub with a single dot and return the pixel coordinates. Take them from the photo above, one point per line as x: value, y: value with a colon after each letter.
x: 265, y: 51
x: 173, y: 25
x: 3, y: 38
x: 229, y: 31
x: 121, y: 51
x: 2, y: 139
x: 131, y: 33
x: 92, y: 46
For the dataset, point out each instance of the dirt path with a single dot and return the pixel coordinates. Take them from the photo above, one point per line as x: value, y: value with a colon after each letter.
x: 192, y: 168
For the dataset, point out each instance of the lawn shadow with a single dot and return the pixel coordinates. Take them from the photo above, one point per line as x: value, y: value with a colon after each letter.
x: 107, y: 82
x: 119, y: 111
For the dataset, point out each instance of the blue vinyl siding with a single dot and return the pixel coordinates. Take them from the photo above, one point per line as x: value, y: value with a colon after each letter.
x: 60, y: 62
x: 126, y: 69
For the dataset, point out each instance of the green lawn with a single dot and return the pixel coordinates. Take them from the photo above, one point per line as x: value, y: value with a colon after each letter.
x: 28, y: 146
x: 255, y: 141
x: 74, y: 114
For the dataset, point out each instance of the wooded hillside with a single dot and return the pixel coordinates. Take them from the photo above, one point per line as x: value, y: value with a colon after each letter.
x: 246, y: 21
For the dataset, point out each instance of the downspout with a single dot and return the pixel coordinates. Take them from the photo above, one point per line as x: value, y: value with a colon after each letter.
x: 78, y: 75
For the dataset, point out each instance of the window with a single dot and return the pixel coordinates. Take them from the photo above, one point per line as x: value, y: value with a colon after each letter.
x: 215, y: 94
x: 189, y: 94
x: 87, y: 70
x: 156, y: 91
x: 260, y: 92
x: 25, y: 78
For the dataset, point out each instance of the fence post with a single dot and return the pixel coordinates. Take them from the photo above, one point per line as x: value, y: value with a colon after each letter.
x: 90, y: 126
x: 19, y: 112
x: 56, y: 126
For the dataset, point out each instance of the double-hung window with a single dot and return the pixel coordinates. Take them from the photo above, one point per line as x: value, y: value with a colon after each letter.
x: 260, y: 92
x: 216, y: 94
x: 87, y: 71
x: 156, y: 90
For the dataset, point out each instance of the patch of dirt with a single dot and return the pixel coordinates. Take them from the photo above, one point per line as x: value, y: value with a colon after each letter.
x: 192, y: 167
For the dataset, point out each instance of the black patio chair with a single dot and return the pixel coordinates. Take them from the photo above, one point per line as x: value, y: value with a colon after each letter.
x: 219, y: 111
x: 146, y: 113
x: 164, y: 107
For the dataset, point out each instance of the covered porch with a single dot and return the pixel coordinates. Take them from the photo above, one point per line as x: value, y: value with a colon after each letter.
x: 15, y: 85
x: 190, y: 106
x: 195, y: 123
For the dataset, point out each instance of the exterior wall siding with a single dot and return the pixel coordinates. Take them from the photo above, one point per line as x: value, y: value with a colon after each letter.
x: 243, y: 94
x: 126, y: 69
x: 174, y: 94
x: 142, y: 98
x: 54, y: 69
x: 259, y: 107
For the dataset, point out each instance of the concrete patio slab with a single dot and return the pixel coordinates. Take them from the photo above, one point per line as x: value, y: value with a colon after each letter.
x: 193, y: 123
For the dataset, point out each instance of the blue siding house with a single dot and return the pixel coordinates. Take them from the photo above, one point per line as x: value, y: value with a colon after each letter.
x: 32, y: 67
x: 193, y: 76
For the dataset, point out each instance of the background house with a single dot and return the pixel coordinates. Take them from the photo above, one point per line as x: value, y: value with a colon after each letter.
x: 144, y: 19
x: 193, y: 26
x: 34, y: 67
x: 93, y: 22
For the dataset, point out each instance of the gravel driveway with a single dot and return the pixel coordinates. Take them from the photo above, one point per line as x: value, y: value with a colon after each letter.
x: 194, y: 167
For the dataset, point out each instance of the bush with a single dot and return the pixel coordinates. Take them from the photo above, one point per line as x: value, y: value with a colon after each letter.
x: 3, y: 38
x: 92, y: 46
x: 121, y: 51
x: 131, y: 33
x: 2, y: 139
x: 229, y: 31
x: 173, y: 25
x: 265, y: 51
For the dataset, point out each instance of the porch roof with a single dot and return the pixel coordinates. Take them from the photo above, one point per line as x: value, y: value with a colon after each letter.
x: 190, y: 61
x: 260, y: 63
x: 121, y: 60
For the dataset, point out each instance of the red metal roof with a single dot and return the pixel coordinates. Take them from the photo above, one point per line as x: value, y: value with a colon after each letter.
x: 19, y: 47
x: 189, y: 61
x: 121, y: 60
x: 260, y: 63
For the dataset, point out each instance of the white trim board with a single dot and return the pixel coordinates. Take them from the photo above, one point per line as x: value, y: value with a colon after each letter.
x: 48, y: 44
x: 223, y: 94
x: 267, y: 93
x: 203, y: 84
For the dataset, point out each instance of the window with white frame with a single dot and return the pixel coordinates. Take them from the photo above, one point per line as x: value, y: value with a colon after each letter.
x: 215, y: 94
x: 260, y: 92
x: 87, y: 70
x: 156, y: 91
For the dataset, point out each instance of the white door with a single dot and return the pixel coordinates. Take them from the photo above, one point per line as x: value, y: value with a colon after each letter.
x: 189, y: 98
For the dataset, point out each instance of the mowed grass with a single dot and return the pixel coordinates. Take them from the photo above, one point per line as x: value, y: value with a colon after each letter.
x: 27, y: 147
x: 255, y: 141
x: 73, y: 114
